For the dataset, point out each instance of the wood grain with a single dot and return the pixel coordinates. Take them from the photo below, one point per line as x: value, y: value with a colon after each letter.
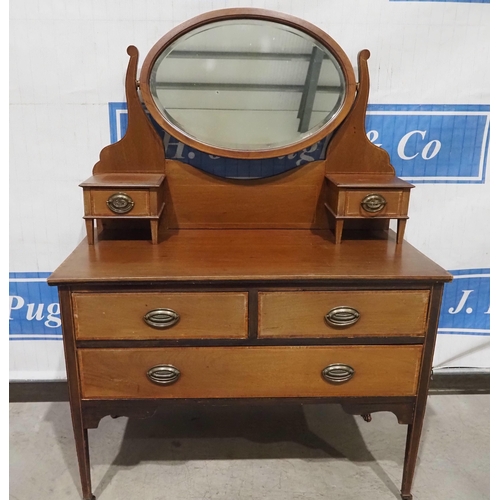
x: 75, y: 396
x: 197, y: 200
x: 232, y: 255
x: 367, y: 180
x: 415, y: 428
x: 350, y: 151
x: 124, y: 180
x: 99, y: 197
x: 231, y: 372
x: 397, y: 203
x: 344, y: 194
x: 382, y: 313
x: 120, y: 315
x: 147, y: 192
x: 223, y: 242
x: 141, y: 148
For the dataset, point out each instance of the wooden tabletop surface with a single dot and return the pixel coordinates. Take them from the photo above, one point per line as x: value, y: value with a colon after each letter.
x: 124, y: 180
x: 370, y: 181
x: 227, y: 255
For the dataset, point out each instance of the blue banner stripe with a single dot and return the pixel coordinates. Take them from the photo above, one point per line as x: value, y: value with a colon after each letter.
x: 116, y: 111
x: 443, y: 331
x: 445, y: 1
x: 460, y: 272
x: 483, y: 108
x: 38, y: 337
x: 465, y: 309
x: 34, y: 310
x: 427, y: 143
x: 15, y: 276
x: 34, y: 306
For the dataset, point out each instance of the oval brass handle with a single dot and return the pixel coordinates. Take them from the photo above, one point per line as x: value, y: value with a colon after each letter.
x: 120, y: 203
x: 338, y: 373
x: 163, y: 374
x: 342, y: 316
x: 161, y: 318
x: 373, y: 203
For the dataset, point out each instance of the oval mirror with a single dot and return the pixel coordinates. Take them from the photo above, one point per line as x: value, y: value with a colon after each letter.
x: 247, y: 83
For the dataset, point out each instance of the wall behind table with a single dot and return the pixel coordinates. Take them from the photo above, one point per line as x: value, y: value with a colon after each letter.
x: 429, y: 107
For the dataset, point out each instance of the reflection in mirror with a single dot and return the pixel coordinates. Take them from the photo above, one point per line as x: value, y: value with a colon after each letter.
x: 245, y: 84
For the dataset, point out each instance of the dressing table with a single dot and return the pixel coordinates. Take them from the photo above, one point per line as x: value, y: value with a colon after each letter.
x: 289, y: 288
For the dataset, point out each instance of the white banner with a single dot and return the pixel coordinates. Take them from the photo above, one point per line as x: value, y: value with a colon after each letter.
x: 429, y: 107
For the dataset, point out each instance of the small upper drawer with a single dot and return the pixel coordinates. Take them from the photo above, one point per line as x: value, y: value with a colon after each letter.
x: 130, y: 202
x: 142, y: 315
x: 123, y: 195
x: 380, y: 203
x: 343, y: 313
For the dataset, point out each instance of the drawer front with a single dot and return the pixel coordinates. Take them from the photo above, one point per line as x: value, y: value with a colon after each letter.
x: 123, y: 315
x: 139, y: 197
x: 381, y: 313
x: 396, y: 203
x: 248, y: 372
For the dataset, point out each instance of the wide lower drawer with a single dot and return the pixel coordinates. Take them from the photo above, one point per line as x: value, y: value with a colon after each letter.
x: 343, y: 313
x: 160, y: 315
x: 249, y: 372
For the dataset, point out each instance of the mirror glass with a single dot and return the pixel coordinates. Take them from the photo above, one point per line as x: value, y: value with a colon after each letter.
x: 247, y: 85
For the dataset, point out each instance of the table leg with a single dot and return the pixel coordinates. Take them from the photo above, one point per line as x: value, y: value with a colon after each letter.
x: 89, y: 226
x: 412, y: 442
x: 339, y: 227
x: 415, y: 428
x: 82, y: 452
x: 401, y: 230
x: 154, y: 231
x: 79, y: 430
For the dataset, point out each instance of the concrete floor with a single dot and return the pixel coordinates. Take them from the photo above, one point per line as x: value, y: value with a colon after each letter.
x: 285, y: 452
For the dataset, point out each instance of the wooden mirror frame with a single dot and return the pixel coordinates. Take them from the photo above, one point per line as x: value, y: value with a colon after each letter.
x: 245, y: 14
x: 337, y: 192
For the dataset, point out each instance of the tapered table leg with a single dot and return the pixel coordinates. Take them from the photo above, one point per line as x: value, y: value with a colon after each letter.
x: 401, y: 231
x: 79, y: 431
x: 89, y: 226
x: 154, y: 231
x: 412, y: 442
x: 339, y: 227
x: 82, y: 451
x: 415, y: 428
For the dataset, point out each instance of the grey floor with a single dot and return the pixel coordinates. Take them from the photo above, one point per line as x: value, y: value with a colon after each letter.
x: 284, y: 452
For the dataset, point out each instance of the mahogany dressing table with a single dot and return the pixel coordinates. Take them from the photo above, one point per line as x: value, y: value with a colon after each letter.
x: 195, y: 287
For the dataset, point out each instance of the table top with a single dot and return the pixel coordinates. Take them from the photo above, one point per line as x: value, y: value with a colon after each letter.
x: 369, y: 181
x: 239, y: 254
x: 125, y: 180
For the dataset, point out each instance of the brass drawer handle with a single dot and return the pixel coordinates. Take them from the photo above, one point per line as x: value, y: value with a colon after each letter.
x: 337, y: 373
x: 120, y: 203
x: 163, y: 374
x: 373, y: 203
x: 161, y: 318
x: 342, y: 316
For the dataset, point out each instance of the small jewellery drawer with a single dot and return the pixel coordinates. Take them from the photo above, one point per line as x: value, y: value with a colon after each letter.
x: 250, y: 372
x: 122, y: 196
x: 112, y: 202
x: 343, y: 313
x: 141, y: 315
x: 381, y: 203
